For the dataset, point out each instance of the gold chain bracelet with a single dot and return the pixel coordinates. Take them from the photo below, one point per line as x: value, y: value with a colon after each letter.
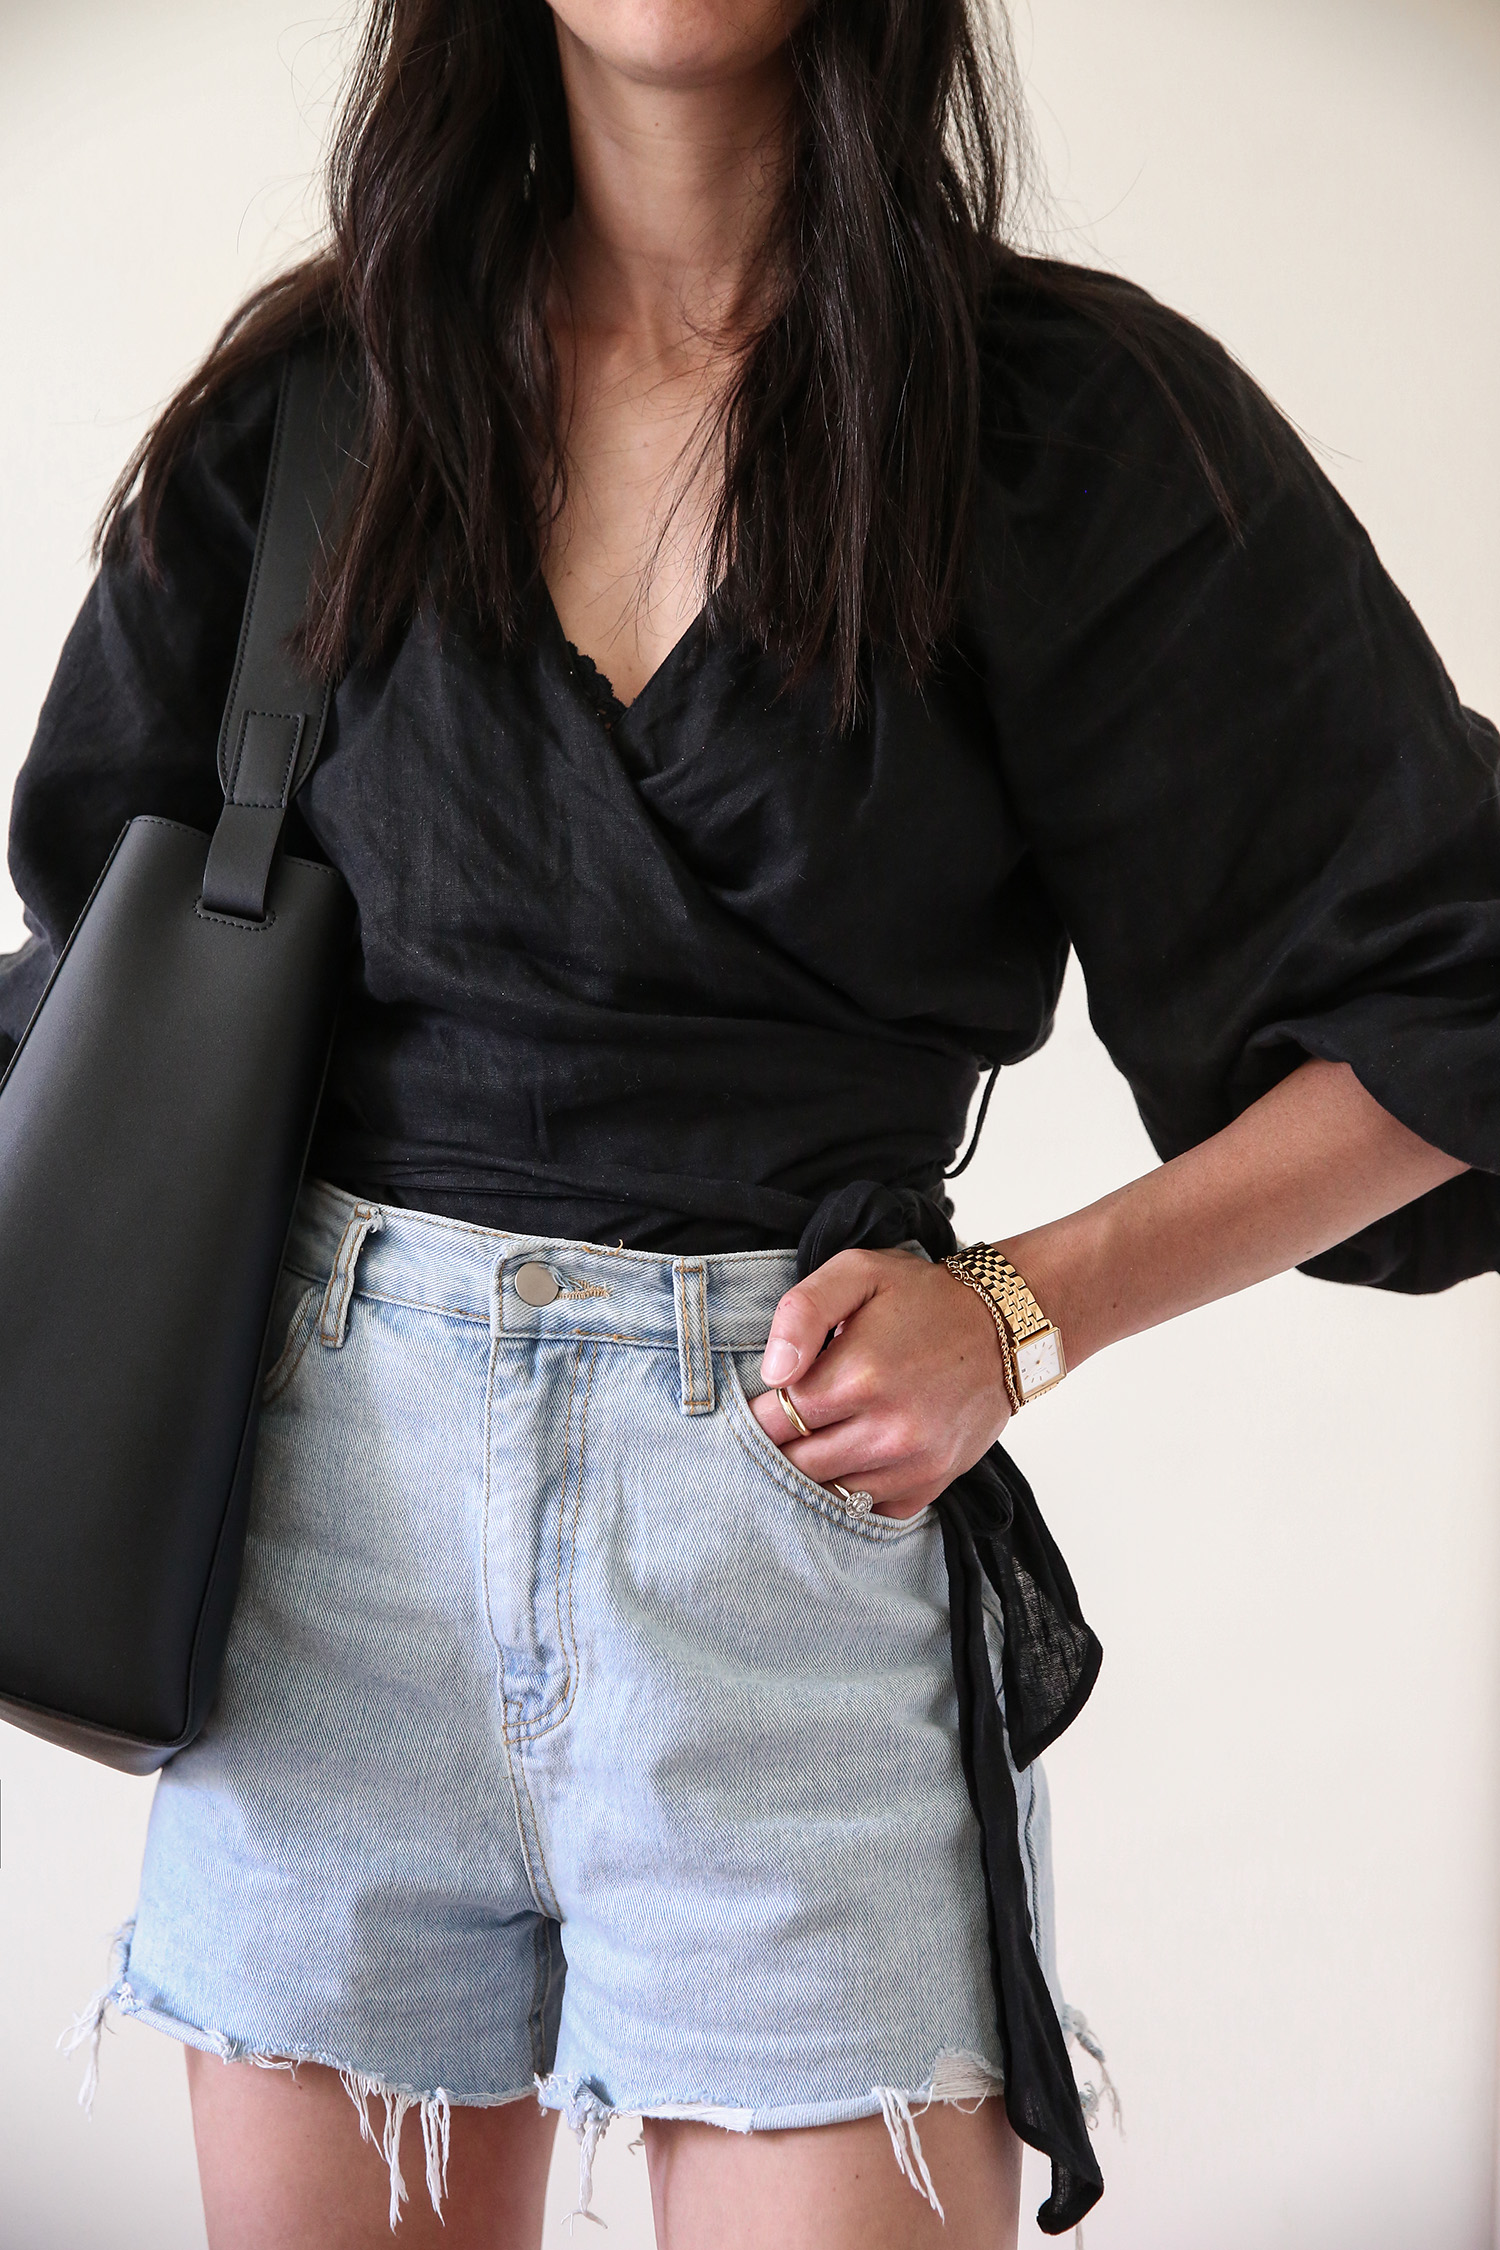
x: 971, y: 1281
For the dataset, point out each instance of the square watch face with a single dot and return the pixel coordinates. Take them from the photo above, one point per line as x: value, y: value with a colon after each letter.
x: 1038, y: 1362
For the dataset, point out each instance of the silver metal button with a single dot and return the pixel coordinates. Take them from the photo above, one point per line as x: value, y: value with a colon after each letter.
x: 536, y: 1285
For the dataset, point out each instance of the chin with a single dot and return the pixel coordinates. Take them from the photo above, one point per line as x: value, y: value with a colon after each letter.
x: 679, y: 42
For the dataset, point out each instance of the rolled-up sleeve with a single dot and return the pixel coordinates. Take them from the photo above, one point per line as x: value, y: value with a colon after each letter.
x: 1269, y: 825
x: 130, y: 724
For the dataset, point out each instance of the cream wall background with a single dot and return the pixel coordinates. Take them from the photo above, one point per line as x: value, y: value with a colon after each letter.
x: 1279, y: 1820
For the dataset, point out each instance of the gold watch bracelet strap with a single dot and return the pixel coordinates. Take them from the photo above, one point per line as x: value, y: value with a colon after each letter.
x: 1009, y: 1301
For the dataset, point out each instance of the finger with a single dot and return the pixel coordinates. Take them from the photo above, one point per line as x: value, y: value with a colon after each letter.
x: 891, y: 1492
x: 866, y: 1451
x: 778, y: 1425
x: 853, y: 1447
x: 837, y: 1458
x: 805, y: 1314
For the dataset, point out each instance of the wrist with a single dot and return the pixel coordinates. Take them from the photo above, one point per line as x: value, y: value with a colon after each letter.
x: 1031, y: 1345
x: 991, y: 1358
x: 1062, y: 1263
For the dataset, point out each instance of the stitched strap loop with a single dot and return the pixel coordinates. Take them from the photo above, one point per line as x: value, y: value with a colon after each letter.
x: 694, y: 1352
x: 333, y: 1321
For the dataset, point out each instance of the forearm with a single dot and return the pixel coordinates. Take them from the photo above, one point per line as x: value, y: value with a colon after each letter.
x: 909, y: 1392
x: 1308, y: 1165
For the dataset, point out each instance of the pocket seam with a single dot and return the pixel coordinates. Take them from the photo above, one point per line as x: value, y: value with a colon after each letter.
x: 876, y: 1531
x: 290, y: 1357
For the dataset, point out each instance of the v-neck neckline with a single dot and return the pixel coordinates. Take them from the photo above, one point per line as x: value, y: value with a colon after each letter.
x: 623, y: 713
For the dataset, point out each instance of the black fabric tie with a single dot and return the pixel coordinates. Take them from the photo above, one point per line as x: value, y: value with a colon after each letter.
x: 992, y: 1529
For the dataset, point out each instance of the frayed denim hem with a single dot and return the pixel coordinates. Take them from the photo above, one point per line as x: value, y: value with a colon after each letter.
x: 962, y: 2079
x: 434, y: 2106
x: 959, y: 2079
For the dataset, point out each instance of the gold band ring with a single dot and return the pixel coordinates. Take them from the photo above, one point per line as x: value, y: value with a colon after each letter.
x: 790, y: 1412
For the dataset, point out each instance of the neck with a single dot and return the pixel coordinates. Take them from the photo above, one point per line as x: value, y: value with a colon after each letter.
x: 674, y: 186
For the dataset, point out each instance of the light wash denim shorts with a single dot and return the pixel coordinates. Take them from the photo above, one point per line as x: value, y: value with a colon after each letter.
x: 570, y: 1741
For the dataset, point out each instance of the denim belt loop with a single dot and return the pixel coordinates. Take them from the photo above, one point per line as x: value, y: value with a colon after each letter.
x: 333, y: 1321
x: 694, y: 1355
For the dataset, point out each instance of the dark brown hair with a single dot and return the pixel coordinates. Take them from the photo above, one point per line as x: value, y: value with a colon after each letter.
x: 850, y: 435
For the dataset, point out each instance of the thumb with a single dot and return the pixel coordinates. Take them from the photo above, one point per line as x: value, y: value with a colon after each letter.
x: 805, y: 1314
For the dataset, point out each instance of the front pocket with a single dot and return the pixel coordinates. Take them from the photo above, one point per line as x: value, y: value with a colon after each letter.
x: 298, y: 1335
x: 770, y: 1458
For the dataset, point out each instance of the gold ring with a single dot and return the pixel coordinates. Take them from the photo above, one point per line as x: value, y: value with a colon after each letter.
x: 791, y: 1413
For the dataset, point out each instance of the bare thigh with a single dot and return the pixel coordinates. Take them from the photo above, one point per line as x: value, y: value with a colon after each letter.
x: 836, y: 2187
x: 283, y: 2167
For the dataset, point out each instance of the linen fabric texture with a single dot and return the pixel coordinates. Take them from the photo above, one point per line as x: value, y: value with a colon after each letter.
x: 567, y: 1732
x: 671, y: 979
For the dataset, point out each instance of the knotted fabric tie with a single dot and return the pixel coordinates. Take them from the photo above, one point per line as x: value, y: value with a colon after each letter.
x: 992, y: 1529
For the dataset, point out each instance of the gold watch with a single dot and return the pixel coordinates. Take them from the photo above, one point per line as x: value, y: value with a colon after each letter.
x: 1031, y: 1345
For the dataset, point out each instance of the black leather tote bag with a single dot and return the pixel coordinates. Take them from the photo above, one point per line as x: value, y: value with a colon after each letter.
x: 154, y: 1125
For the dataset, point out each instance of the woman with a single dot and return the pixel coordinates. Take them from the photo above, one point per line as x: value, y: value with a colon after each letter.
x: 941, y: 610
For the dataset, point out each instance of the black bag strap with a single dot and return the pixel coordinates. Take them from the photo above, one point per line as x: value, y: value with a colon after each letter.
x: 274, y: 719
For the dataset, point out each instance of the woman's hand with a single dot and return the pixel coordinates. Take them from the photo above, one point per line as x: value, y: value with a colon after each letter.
x: 910, y: 1391
x: 906, y: 1395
